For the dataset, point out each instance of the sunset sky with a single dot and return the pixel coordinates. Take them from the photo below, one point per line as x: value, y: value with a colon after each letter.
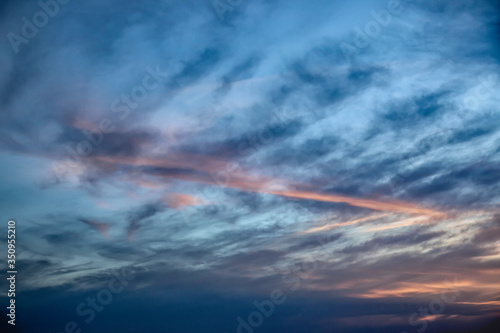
x: 199, y: 161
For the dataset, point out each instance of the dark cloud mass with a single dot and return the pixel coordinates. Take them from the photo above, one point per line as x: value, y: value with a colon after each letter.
x: 251, y: 166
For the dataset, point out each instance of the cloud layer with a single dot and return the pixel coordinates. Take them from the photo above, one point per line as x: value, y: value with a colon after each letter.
x: 345, y: 154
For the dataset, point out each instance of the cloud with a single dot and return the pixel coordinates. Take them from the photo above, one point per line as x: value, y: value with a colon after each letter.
x: 261, y: 149
x: 102, y: 227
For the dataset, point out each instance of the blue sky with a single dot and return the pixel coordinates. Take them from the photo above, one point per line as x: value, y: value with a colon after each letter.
x: 345, y: 154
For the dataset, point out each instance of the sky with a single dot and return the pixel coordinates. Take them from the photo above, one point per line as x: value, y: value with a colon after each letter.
x: 251, y: 165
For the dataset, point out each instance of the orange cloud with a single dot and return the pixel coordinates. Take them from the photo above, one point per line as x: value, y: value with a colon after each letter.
x: 412, y: 289
x: 391, y: 206
x: 178, y: 201
x: 205, y: 170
